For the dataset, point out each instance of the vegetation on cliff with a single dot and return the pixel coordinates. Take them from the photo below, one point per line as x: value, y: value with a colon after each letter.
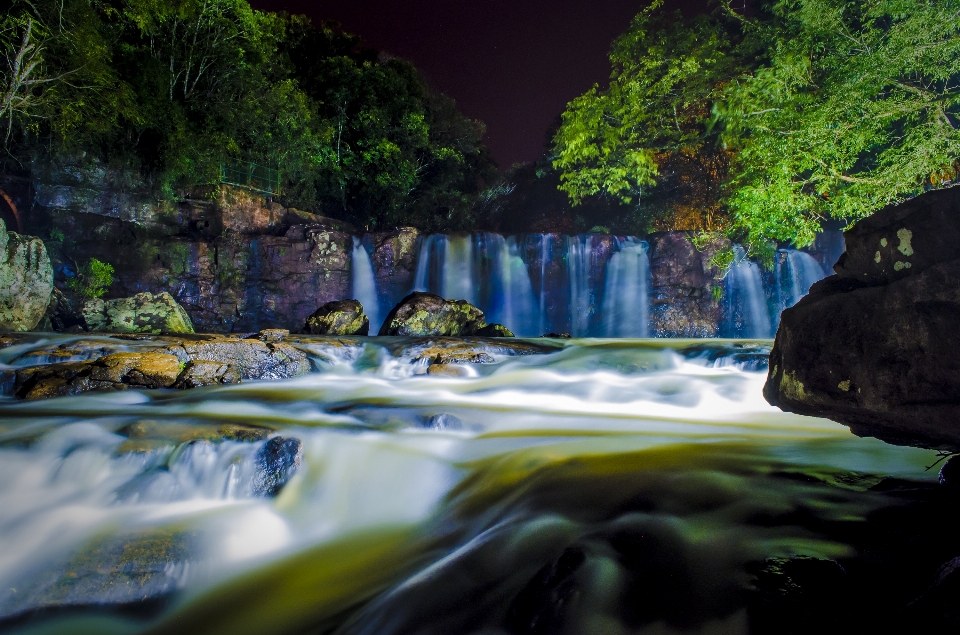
x: 769, y: 124
x: 172, y: 90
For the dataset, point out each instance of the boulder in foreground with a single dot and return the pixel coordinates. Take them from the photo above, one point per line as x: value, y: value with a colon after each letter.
x: 142, y: 313
x: 427, y: 315
x: 876, y: 346
x: 26, y: 281
x: 343, y: 317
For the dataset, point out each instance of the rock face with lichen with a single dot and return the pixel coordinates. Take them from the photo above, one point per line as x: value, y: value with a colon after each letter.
x: 426, y: 314
x: 875, y: 346
x: 683, y: 302
x: 142, y: 313
x: 342, y: 317
x: 26, y: 281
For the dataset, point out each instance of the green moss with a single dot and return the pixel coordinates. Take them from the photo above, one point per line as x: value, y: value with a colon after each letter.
x: 92, y: 279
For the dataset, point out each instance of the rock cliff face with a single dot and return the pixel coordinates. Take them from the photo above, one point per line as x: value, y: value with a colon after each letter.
x: 683, y: 303
x: 26, y: 281
x: 875, y: 346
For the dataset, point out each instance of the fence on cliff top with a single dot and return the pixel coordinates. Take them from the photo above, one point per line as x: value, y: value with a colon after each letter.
x: 252, y: 176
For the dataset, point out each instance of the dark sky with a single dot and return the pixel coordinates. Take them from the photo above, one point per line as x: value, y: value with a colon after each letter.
x: 513, y: 64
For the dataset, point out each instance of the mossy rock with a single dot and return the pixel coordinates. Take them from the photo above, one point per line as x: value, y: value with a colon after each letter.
x: 142, y: 313
x: 426, y: 314
x: 495, y: 330
x: 343, y: 317
x: 26, y: 281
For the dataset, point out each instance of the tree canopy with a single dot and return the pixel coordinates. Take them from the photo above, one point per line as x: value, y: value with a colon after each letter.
x: 171, y: 89
x: 807, y: 110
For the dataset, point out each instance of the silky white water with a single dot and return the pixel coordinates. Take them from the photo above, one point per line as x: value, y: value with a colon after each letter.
x: 416, y: 490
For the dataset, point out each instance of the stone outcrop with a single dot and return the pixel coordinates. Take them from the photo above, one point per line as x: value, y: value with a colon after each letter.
x: 26, y: 281
x: 875, y: 346
x: 342, y: 317
x: 157, y: 362
x: 394, y: 261
x: 683, y: 301
x: 426, y: 314
x: 142, y: 313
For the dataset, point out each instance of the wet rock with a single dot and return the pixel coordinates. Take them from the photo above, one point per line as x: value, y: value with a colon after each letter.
x: 950, y: 472
x: 135, y: 571
x: 469, y: 350
x: 426, y: 314
x: 113, y: 372
x: 799, y: 595
x: 207, y: 373
x: 875, y: 346
x: 557, y: 336
x: 76, y: 351
x: 175, y: 433
x: 273, y: 335
x: 495, y: 330
x: 343, y: 317
x: 146, y: 370
x: 252, y: 359
x: 26, y: 281
x: 277, y: 461
x: 544, y: 605
x: 142, y: 313
x: 939, y: 606
x: 447, y: 370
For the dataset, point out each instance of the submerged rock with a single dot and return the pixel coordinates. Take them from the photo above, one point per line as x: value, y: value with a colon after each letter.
x: 343, y: 317
x: 799, y: 595
x: 207, y: 373
x: 137, y: 571
x: 277, y: 461
x: 142, y: 313
x: 426, y: 314
x: 875, y: 346
x: 26, y: 281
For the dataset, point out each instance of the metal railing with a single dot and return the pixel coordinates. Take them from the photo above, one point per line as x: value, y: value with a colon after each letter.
x: 258, y: 178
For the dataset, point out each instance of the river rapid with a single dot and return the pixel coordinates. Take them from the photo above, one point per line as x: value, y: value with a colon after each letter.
x: 601, y: 486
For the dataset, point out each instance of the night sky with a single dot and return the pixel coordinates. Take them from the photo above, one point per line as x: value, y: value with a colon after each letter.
x: 513, y: 64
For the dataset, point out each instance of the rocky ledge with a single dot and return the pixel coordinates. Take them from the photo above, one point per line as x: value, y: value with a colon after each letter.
x: 875, y: 346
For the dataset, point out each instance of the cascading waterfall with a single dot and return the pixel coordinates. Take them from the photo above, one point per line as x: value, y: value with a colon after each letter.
x: 796, y: 272
x: 579, y: 250
x: 626, y: 303
x: 365, y: 284
x: 539, y: 283
x: 512, y: 301
x: 747, y: 313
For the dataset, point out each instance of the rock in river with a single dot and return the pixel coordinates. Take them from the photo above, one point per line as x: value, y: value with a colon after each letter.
x: 426, y: 314
x: 343, y: 317
x: 875, y: 346
x: 26, y: 281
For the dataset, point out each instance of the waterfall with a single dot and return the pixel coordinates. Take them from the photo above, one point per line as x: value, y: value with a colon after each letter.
x: 626, y: 304
x: 796, y: 272
x: 365, y: 284
x: 747, y: 313
x: 546, y: 243
x: 513, y: 301
x: 578, y: 252
x: 458, y: 278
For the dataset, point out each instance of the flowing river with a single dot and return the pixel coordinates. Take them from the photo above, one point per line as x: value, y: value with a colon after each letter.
x: 597, y: 486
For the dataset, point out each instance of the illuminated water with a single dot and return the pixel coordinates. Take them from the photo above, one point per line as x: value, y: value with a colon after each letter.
x: 428, y: 504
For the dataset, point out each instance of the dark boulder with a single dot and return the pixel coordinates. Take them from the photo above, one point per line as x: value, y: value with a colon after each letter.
x: 426, y: 314
x: 343, y: 317
x: 277, y: 461
x: 875, y: 346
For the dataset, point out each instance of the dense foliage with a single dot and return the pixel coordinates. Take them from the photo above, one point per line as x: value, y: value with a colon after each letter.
x: 770, y: 124
x: 170, y: 90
